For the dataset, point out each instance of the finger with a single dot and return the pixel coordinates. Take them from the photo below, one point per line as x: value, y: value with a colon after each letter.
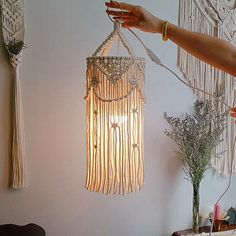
x: 123, y: 6
x: 130, y: 24
x: 122, y: 18
x: 120, y: 13
x: 233, y: 115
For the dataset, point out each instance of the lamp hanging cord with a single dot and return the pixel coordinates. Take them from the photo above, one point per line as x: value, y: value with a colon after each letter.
x: 157, y: 61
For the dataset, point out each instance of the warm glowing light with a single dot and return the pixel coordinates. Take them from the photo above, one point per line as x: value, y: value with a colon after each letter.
x: 115, y: 99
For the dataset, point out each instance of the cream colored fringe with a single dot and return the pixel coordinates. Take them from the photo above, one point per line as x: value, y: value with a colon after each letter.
x: 19, y: 175
x: 114, y: 135
x: 201, y: 75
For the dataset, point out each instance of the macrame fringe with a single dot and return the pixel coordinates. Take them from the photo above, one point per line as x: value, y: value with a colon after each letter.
x: 203, y: 76
x: 19, y: 175
x: 115, y: 132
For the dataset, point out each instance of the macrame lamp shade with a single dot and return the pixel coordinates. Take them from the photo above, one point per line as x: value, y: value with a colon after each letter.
x: 114, y: 102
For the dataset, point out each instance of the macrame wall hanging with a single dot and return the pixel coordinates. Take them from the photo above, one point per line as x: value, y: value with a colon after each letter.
x: 216, y: 18
x: 13, y: 29
x: 114, y: 101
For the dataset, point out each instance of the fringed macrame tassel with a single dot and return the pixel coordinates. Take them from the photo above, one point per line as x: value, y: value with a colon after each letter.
x: 13, y: 30
x: 19, y: 175
x: 196, y: 15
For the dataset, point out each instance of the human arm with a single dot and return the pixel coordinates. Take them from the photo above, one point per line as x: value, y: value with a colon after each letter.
x: 211, y: 50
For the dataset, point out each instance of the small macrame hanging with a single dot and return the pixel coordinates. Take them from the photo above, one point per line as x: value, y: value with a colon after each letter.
x: 13, y: 29
x: 216, y: 18
x: 114, y: 101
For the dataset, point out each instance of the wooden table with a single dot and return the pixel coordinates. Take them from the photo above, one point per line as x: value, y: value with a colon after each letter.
x: 205, y: 229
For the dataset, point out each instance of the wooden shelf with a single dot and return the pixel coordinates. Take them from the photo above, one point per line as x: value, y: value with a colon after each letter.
x: 205, y: 229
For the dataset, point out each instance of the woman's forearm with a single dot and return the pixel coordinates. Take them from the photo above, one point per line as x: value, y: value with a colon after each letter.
x: 212, y: 50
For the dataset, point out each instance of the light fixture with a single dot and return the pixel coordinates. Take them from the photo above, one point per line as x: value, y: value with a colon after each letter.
x: 114, y: 103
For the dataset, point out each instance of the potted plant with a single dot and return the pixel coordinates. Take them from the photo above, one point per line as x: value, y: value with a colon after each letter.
x: 196, y: 136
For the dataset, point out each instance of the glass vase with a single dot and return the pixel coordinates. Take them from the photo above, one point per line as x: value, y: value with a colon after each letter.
x: 195, y: 223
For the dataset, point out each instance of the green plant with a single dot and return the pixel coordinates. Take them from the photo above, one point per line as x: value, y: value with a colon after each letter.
x: 196, y: 136
x: 15, y: 47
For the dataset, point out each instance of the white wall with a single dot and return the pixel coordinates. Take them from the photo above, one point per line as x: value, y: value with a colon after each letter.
x: 60, y: 35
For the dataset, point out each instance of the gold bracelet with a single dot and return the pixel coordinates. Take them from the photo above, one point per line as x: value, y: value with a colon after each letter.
x: 164, y: 30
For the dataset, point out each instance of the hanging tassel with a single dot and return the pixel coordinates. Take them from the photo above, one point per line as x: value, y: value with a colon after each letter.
x: 13, y: 29
x: 19, y: 176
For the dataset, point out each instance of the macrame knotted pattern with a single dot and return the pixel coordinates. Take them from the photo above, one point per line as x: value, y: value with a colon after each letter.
x: 216, y: 18
x: 115, y: 100
x: 15, y: 60
x: 13, y: 29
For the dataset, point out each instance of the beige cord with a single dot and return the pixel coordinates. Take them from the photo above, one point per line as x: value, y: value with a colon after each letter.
x: 156, y: 60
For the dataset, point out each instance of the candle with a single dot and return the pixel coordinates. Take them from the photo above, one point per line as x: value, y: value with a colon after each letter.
x: 217, y: 212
